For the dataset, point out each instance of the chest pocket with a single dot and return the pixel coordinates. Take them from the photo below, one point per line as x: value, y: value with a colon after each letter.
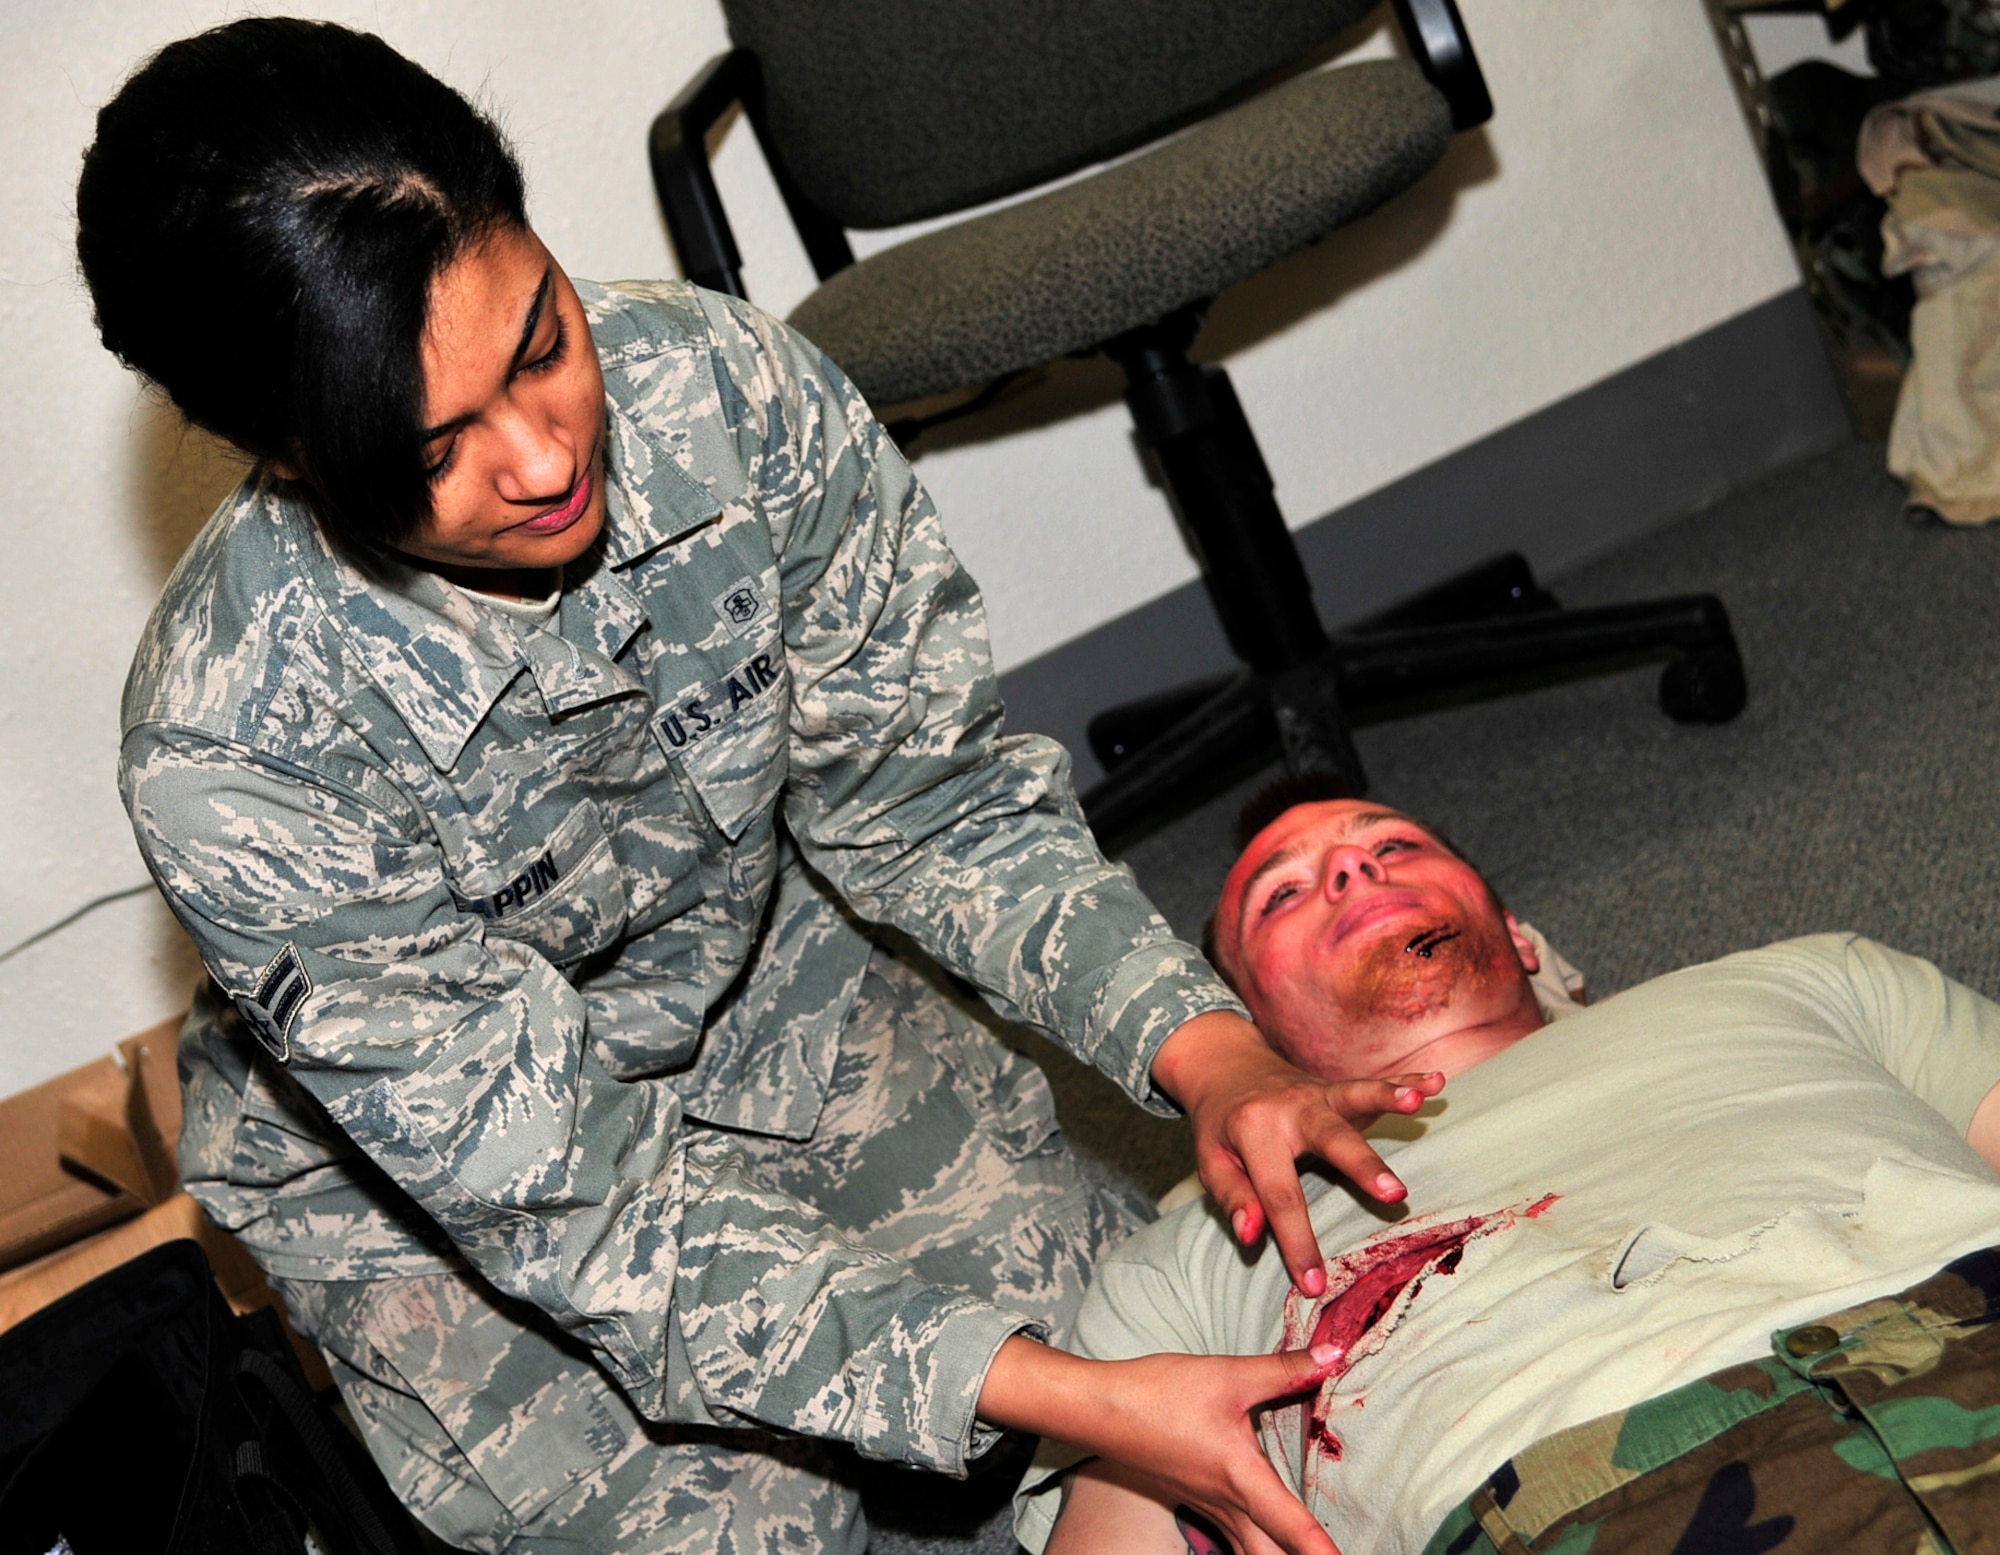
x: 566, y: 900
x: 729, y: 737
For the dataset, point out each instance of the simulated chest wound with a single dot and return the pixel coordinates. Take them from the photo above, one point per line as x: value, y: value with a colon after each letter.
x: 1367, y: 1289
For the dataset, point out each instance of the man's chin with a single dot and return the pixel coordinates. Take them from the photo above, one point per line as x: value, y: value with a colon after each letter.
x: 1399, y: 985
x: 1422, y: 972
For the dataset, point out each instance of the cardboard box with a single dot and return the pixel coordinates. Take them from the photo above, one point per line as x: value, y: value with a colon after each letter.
x: 33, y: 1286
x: 88, y: 1179
x: 90, y: 1148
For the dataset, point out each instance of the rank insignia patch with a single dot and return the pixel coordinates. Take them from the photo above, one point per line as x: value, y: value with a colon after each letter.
x: 741, y: 606
x: 282, y: 988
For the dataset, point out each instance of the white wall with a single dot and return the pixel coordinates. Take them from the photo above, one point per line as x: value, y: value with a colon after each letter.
x: 1613, y: 208
x: 1781, y: 40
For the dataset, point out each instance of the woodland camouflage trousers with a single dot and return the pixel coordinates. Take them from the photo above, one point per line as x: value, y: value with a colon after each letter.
x: 1876, y: 1429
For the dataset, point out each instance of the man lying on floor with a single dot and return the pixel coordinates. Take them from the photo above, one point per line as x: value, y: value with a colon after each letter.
x: 1604, y: 1210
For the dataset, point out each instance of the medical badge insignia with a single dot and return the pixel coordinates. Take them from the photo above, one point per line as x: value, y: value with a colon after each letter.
x: 741, y: 606
x: 282, y: 988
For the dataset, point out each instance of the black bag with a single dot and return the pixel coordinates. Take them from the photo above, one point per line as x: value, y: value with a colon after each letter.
x: 138, y: 1415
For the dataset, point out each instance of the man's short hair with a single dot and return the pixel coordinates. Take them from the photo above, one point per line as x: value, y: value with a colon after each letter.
x: 1278, y: 796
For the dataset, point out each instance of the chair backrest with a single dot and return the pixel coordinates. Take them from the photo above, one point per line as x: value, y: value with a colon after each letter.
x: 887, y: 111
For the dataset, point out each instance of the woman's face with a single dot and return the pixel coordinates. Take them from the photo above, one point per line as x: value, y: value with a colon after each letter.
x: 513, y: 417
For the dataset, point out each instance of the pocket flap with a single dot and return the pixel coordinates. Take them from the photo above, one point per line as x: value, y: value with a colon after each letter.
x: 566, y: 900
x: 729, y: 736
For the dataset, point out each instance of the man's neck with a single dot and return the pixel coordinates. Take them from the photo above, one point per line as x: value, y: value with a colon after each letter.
x: 1453, y: 1052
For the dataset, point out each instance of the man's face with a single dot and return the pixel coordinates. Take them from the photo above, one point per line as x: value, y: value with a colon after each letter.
x: 1366, y: 948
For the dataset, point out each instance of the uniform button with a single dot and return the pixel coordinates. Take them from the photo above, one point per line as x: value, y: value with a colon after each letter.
x: 1813, y: 1339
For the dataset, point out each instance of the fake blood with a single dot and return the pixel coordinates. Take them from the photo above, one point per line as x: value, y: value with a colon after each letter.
x: 1362, y: 1287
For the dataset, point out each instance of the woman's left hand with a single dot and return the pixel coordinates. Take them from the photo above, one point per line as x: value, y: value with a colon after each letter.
x: 1254, y: 1115
x: 1184, y: 1421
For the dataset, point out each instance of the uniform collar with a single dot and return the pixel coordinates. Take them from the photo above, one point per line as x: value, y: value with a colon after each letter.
x: 658, y: 388
x: 443, y: 659
x: 434, y: 653
x: 574, y: 658
x: 648, y: 498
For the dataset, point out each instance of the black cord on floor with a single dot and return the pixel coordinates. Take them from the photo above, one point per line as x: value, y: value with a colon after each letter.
x: 62, y: 923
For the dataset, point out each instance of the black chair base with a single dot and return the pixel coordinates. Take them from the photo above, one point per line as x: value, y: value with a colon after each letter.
x: 1299, y: 686
x: 1478, y: 631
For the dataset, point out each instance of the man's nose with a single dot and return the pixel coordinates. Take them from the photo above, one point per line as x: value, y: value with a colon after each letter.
x: 1347, y: 865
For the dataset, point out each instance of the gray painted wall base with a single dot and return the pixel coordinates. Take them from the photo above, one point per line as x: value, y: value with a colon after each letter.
x: 1561, y: 486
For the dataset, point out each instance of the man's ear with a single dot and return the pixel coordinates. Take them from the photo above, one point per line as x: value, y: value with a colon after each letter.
x: 1523, y: 946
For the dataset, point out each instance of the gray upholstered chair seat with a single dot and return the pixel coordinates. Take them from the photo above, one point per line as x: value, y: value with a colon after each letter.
x: 1092, y: 259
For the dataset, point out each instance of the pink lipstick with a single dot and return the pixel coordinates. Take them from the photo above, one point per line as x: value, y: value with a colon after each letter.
x: 557, y: 519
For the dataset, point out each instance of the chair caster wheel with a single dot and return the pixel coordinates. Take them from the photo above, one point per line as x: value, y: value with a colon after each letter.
x: 1704, y: 687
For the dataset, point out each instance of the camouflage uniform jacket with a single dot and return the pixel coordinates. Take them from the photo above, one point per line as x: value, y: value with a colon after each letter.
x: 506, y: 908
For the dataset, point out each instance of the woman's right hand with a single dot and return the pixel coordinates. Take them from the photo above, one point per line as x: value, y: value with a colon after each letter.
x: 1182, y: 1419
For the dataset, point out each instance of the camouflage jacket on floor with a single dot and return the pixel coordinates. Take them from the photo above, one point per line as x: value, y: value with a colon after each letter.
x: 506, y: 907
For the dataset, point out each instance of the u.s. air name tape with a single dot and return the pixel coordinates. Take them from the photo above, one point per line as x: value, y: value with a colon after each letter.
x: 692, y: 719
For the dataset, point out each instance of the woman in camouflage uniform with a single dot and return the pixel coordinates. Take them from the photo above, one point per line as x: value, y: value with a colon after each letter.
x: 538, y: 745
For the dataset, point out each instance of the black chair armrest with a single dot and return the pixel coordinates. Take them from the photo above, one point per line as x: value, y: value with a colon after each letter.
x: 678, y: 149
x: 1438, y: 41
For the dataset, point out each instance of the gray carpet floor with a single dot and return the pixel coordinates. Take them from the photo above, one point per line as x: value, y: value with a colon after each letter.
x: 1852, y: 793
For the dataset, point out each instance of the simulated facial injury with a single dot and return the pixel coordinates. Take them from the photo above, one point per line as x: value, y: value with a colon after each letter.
x: 1364, y: 946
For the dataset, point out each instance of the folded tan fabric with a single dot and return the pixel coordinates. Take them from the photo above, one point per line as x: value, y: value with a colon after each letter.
x: 1935, y: 157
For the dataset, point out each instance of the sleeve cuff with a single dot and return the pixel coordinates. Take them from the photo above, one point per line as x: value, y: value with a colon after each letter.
x: 964, y: 1354
x: 1149, y: 996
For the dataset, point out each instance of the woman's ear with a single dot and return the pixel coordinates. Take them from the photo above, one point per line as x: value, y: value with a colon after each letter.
x: 291, y: 464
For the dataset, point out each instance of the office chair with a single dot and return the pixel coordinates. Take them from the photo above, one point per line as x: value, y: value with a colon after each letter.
x: 874, y: 113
